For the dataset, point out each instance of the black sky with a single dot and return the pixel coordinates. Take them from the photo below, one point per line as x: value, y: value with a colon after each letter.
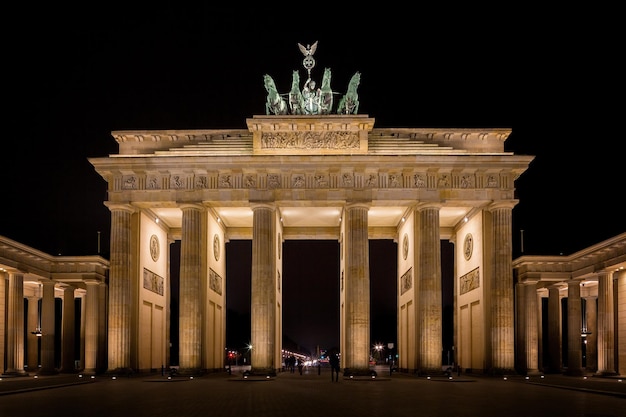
x: 72, y: 76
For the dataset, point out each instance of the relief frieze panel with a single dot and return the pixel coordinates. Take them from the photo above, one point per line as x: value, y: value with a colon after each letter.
x: 298, y: 181
x: 215, y: 281
x: 130, y: 182
x: 469, y: 281
x: 318, y: 180
x: 310, y: 140
x: 406, y: 281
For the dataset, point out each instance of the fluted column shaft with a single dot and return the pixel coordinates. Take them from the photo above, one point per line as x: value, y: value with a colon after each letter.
x: 68, y: 330
x: 531, y: 328
x: 15, y: 325
x: 263, y: 296
x: 356, y: 354
x: 47, y: 328
x: 119, y: 313
x: 574, y: 326
x: 32, y: 343
x: 190, y: 318
x: 606, y: 329
x: 428, y: 281
x: 91, y: 326
x: 554, y: 330
x: 102, y: 327
x: 502, y: 310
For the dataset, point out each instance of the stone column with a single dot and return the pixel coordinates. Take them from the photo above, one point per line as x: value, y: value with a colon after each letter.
x: 428, y: 281
x: 574, y: 325
x: 119, y: 320
x: 190, y: 316
x: 91, y: 326
x: 355, y: 356
x: 520, y: 328
x: 68, y: 330
x: 501, y: 291
x: 606, y: 329
x: 531, y: 328
x: 591, y: 342
x: 554, y: 330
x: 32, y: 339
x: 102, y: 327
x: 15, y: 325
x: 47, y: 329
x: 263, y: 286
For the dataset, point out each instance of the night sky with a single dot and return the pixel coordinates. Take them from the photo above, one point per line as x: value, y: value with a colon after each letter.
x: 73, y: 76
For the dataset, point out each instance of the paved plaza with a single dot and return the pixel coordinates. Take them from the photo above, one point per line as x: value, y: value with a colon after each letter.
x: 312, y: 394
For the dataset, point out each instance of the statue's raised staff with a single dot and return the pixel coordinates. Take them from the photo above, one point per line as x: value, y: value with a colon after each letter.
x: 349, y: 103
x: 308, y: 62
x: 275, y: 104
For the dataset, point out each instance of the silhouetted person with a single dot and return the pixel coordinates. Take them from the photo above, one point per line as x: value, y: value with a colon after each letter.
x: 334, y: 367
x: 300, y: 365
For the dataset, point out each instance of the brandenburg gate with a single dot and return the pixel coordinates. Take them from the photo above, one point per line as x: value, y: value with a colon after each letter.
x: 310, y: 176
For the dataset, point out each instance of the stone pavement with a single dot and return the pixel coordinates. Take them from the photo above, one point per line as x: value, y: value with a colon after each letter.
x: 312, y: 394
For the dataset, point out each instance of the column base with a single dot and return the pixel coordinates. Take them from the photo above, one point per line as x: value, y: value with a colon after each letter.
x: 605, y: 373
x: 15, y: 372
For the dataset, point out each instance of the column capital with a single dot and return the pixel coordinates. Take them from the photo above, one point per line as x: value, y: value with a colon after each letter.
x: 262, y: 204
x: 194, y: 206
x: 119, y: 207
x: 366, y: 204
x: 502, y: 204
x: 428, y: 205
